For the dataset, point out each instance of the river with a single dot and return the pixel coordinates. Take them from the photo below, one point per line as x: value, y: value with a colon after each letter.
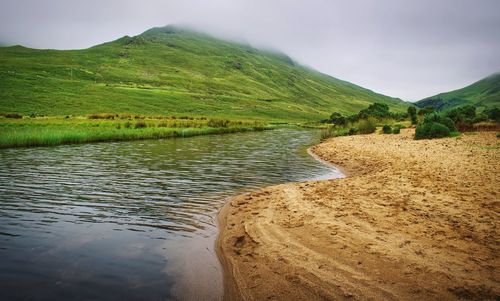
x: 132, y: 220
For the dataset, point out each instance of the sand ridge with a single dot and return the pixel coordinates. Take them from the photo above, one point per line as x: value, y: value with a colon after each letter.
x: 413, y: 220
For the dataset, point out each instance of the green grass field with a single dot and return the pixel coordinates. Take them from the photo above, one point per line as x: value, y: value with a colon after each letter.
x: 176, y: 72
x: 164, y: 71
x: 48, y: 131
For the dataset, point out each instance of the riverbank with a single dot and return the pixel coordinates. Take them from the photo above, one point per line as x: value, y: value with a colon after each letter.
x: 413, y: 220
x: 48, y: 131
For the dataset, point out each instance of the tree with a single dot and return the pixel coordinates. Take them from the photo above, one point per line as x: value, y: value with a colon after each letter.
x: 338, y: 119
x: 493, y: 114
x: 462, y: 114
x: 426, y: 110
x: 412, y: 113
x: 378, y: 110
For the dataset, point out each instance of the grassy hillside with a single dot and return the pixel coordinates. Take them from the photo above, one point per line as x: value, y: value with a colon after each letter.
x: 481, y: 94
x: 173, y: 71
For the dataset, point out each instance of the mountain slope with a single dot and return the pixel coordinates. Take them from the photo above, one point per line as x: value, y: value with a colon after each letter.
x: 482, y: 94
x: 171, y: 70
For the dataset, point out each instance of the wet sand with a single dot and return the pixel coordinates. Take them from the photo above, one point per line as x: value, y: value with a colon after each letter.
x: 413, y: 220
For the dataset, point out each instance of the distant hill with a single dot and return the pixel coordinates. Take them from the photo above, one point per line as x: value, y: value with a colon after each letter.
x: 174, y: 71
x: 481, y: 94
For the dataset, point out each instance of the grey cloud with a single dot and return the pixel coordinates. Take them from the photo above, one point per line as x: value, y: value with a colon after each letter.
x: 408, y: 49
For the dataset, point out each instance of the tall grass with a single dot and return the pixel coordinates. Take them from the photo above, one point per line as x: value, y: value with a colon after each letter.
x: 46, y: 132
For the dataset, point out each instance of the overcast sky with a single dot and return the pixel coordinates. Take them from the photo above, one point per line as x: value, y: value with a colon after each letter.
x: 409, y: 49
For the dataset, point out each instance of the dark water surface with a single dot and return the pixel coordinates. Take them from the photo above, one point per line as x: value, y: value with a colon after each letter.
x: 132, y: 220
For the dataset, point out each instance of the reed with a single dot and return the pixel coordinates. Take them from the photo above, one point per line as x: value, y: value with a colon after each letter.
x: 55, y: 131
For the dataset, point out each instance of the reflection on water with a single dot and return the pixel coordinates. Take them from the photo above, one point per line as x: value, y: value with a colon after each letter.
x: 132, y: 220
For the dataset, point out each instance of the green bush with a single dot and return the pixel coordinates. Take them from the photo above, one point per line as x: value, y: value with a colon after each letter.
x: 426, y: 110
x: 386, y: 129
x: 412, y: 113
x: 438, y: 118
x: 367, y: 126
x: 429, y: 130
x: 493, y: 114
x: 378, y: 110
x: 463, y: 117
x: 338, y: 119
x: 396, y: 130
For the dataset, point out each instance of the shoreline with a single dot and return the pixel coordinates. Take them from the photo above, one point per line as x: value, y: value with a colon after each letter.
x: 230, y: 287
x: 230, y: 290
x: 390, y: 230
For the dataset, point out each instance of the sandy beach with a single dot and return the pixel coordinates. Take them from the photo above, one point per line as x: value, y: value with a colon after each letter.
x: 413, y: 220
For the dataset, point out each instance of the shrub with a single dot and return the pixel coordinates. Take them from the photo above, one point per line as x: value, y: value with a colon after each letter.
x: 396, y: 130
x: 386, y: 129
x: 338, y: 119
x: 140, y: 124
x: 429, y: 130
x: 480, y: 118
x: 493, y: 114
x: 463, y: 117
x: 367, y: 126
x: 438, y: 118
x: 426, y: 110
x: 378, y: 110
x: 412, y: 113
x: 127, y: 125
x: 118, y: 126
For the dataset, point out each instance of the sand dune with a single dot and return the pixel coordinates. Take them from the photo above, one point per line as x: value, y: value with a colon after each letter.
x: 414, y: 220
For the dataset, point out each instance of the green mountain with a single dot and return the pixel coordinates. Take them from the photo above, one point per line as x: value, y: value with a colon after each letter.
x: 174, y: 71
x: 482, y: 94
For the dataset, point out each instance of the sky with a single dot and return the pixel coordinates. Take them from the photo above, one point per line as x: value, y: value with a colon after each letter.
x: 410, y: 49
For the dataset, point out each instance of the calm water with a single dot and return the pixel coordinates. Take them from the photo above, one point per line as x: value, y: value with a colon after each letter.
x: 132, y: 220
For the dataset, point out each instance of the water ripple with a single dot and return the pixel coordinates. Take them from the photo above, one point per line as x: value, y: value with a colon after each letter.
x: 82, y: 211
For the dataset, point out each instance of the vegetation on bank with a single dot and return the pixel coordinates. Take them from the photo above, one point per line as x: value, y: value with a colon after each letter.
x: 452, y: 122
x: 429, y: 124
x: 365, y: 121
x: 46, y: 131
x: 435, y: 126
